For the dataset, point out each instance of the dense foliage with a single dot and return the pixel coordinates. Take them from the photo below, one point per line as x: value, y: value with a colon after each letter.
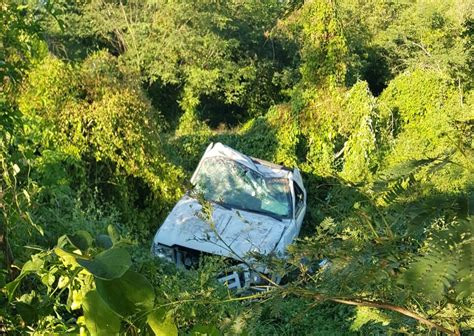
x: 107, y: 106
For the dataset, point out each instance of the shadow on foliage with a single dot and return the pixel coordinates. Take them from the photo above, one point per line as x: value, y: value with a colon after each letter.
x: 165, y: 98
x: 217, y: 113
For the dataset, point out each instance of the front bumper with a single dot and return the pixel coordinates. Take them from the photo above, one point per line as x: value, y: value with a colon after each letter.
x: 239, y: 276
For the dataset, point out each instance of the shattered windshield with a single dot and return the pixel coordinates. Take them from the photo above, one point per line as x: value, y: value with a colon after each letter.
x: 232, y: 184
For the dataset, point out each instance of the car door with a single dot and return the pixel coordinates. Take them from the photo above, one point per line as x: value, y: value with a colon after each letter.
x: 300, y: 205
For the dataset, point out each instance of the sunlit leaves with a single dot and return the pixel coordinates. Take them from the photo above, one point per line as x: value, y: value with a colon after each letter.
x: 323, y: 46
x: 68, y: 258
x: 31, y: 266
x: 161, y: 322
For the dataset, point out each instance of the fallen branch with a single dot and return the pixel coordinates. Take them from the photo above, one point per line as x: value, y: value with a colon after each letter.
x: 397, y: 309
x: 374, y: 304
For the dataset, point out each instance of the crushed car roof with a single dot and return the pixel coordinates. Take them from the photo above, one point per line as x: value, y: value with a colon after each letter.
x: 265, y: 168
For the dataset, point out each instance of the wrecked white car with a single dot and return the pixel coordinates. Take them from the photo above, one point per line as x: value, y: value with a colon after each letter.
x: 257, y: 207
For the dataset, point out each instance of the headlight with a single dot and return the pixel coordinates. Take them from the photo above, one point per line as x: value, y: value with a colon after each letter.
x: 164, y: 252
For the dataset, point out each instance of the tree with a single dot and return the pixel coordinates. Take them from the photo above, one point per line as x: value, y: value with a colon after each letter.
x: 317, y: 28
x: 218, y: 55
x: 20, y: 43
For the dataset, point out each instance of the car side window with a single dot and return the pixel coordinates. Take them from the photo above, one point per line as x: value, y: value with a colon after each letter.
x: 299, y: 198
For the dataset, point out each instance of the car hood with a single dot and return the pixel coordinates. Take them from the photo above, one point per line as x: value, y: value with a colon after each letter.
x: 236, y: 232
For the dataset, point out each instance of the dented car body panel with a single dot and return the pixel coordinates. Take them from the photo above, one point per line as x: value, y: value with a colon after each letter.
x: 238, y: 232
x: 257, y: 207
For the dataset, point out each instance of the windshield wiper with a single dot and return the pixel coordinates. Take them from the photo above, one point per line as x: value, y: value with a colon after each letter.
x: 262, y: 212
x: 224, y: 205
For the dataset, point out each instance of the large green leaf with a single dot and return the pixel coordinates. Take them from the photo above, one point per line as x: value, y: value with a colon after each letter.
x: 161, y: 322
x: 81, y: 239
x: 107, y: 265
x: 100, y: 319
x: 27, y: 312
x: 128, y: 294
x: 113, y: 233
x: 103, y: 241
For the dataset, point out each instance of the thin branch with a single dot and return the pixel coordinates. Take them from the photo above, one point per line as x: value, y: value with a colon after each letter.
x: 422, y: 47
x: 374, y: 304
x: 132, y: 33
x: 397, y: 309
